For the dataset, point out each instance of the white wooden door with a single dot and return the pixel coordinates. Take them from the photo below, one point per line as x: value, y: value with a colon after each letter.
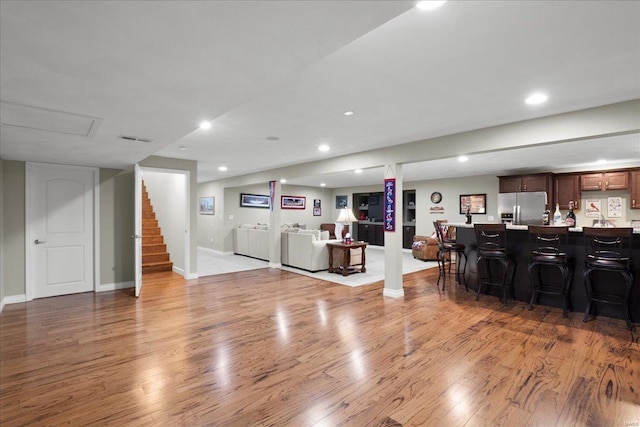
x: 60, y: 229
x: 137, y: 234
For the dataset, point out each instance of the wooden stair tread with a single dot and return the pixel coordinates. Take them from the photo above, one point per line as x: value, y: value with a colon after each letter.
x: 155, y: 257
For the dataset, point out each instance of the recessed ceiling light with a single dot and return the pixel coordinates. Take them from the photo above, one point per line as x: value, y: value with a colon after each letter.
x: 222, y: 168
x: 322, y: 184
x: 349, y: 113
x: 358, y: 171
x: 536, y: 98
x: 323, y: 148
x: 205, y: 125
x: 463, y: 158
x: 282, y: 181
x: 272, y: 138
x: 601, y: 161
x: 430, y: 4
x: 183, y: 148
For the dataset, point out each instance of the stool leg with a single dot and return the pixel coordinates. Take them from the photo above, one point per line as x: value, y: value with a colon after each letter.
x: 629, y: 283
x: 505, y: 265
x: 565, y: 289
x: 533, y: 285
x: 587, y: 288
x: 479, y: 275
x: 464, y: 279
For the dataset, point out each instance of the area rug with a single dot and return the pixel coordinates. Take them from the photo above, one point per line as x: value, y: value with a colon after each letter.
x: 212, y: 262
x: 375, y: 268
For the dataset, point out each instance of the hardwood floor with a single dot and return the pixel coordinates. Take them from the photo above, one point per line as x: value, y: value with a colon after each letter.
x: 270, y: 347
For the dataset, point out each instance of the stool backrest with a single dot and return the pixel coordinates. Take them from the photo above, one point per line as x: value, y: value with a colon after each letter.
x: 548, y: 240
x: 609, y: 243
x: 441, y: 231
x: 491, y: 238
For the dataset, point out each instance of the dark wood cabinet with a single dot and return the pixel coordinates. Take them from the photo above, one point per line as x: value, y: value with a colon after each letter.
x: 635, y: 189
x: 566, y: 189
x: 408, y: 232
x: 528, y: 183
x: 604, y: 181
x: 371, y: 233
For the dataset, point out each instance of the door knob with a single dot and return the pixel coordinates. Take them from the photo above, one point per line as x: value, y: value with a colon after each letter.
x: 135, y: 236
x: 39, y: 242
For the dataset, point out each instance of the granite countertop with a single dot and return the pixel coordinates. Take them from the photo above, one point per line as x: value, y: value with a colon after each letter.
x: 524, y: 227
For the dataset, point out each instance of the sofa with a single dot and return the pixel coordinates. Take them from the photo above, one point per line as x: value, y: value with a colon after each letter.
x: 252, y: 240
x: 307, y: 250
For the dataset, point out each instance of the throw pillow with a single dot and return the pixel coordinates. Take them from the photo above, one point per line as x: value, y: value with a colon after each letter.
x: 324, y: 235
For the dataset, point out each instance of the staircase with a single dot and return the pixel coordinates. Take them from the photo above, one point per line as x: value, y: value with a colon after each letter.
x: 155, y: 257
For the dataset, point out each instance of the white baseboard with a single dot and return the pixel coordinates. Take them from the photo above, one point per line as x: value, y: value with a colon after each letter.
x: 192, y: 276
x: 393, y: 293
x: 12, y: 299
x: 275, y: 265
x: 114, y: 286
x: 213, y: 251
x: 178, y: 270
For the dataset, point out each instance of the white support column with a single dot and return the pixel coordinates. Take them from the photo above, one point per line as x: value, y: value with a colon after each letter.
x: 393, y: 239
x: 274, y: 226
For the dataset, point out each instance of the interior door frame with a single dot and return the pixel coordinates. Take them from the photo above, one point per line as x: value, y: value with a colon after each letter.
x: 187, y: 212
x: 29, y: 238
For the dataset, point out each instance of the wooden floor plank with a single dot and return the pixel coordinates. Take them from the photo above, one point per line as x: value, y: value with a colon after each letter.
x: 270, y: 347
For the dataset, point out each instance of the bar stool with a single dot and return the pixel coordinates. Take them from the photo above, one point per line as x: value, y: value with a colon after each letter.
x: 549, y: 248
x: 608, y: 250
x: 446, y: 247
x: 492, y: 246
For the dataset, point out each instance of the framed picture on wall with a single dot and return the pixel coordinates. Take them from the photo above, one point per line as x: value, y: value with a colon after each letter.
x: 254, y: 201
x: 292, y: 202
x: 317, y: 211
x: 207, y: 205
x: 476, y: 203
x: 341, y: 202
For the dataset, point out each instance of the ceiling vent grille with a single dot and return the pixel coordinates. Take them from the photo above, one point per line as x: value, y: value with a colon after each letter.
x: 135, y: 138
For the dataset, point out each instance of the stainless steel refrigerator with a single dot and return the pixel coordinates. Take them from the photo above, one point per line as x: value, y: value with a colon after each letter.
x: 522, y: 208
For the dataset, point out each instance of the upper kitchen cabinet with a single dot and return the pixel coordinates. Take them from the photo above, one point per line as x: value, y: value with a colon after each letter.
x: 635, y: 189
x: 604, y: 181
x: 522, y: 183
x: 567, y: 189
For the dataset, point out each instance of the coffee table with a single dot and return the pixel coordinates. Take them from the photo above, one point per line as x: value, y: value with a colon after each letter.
x: 345, y: 268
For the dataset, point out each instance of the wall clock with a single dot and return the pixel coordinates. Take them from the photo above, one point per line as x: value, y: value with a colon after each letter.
x: 436, y: 197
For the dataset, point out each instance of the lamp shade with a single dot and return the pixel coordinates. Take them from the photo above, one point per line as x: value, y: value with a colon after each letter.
x: 346, y: 216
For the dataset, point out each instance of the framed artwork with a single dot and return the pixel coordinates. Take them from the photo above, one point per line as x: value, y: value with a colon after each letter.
x: 341, y: 202
x: 292, y: 202
x: 476, y: 203
x: 317, y: 211
x: 254, y: 201
x: 207, y: 205
x: 317, y: 203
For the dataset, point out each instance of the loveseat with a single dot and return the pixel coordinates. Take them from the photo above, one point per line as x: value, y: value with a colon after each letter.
x: 426, y: 248
x: 331, y: 228
x: 252, y: 240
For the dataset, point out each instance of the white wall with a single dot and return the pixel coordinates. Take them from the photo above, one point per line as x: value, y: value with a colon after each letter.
x: 168, y: 197
x: 230, y: 215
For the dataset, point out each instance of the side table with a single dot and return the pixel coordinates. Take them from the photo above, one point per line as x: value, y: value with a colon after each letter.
x: 345, y: 267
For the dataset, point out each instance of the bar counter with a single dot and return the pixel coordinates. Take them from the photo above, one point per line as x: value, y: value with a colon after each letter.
x: 518, y: 245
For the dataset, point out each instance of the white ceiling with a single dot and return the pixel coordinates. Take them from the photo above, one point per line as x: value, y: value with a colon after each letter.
x: 290, y: 69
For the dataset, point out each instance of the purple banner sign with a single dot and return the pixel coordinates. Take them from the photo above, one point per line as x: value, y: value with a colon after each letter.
x: 390, y: 204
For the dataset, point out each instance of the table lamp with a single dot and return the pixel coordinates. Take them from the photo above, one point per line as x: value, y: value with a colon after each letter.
x: 345, y: 217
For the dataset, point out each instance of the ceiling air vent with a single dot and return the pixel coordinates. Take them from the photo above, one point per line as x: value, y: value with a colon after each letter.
x: 134, y: 138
